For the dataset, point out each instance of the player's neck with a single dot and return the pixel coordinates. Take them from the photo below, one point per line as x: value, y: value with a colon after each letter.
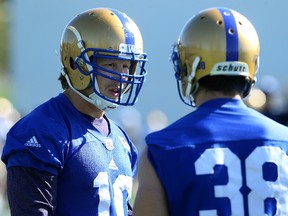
x: 203, y: 96
x: 82, y: 105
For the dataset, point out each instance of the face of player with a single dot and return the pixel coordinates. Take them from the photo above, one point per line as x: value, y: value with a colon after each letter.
x: 109, y: 87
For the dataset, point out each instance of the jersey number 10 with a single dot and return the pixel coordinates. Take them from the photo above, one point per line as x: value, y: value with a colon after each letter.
x: 122, y: 183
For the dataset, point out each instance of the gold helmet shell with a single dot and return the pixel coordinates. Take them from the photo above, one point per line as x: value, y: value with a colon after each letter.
x: 100, y: 33
x: 218, y: 41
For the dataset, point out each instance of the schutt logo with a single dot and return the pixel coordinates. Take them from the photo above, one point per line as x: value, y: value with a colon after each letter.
x: 231, y: 67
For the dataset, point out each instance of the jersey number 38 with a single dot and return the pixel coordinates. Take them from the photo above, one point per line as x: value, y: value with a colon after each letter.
x: 261, y: 187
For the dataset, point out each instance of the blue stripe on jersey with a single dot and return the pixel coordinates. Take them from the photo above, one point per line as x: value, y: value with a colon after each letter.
x: 232, y: 40
x: 129, y: 35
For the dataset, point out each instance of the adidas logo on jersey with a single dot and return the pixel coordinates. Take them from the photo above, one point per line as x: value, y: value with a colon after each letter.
x: 33, y: 143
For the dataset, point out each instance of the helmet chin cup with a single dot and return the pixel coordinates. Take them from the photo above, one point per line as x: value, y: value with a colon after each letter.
x: 101, y: 103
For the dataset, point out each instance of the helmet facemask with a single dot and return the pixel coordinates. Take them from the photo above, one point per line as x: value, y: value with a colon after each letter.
x: 130, y: 84
x: 185, y: 77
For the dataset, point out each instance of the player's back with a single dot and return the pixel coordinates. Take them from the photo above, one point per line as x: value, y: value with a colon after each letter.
x: 223, y: 159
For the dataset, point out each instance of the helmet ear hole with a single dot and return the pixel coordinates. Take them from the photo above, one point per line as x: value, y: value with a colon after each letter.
x: 185, y: 70
x: 78, y: 80
x: 72, y: 64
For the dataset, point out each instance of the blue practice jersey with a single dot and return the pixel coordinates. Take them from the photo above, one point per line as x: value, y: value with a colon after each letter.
x: 222, y: 159
x: 94, y: 172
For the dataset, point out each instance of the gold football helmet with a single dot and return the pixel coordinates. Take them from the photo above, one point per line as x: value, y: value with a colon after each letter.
x: 103, y: 33
x: 216, y: 41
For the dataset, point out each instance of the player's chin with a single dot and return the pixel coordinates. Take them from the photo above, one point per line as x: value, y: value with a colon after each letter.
x: 113, y: 96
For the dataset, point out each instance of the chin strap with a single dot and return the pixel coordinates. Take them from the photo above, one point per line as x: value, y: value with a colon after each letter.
x: 93, y: 98
x: 191, y: 76
x: 188, y: 92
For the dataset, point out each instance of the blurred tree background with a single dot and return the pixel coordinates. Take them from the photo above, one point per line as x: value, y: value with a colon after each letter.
x: 4, y: 52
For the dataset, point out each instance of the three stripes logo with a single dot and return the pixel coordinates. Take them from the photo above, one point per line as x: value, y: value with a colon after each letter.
x: 33, y: 143
x: 112, y: 165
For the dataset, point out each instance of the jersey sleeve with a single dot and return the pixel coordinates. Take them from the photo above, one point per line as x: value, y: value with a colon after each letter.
x: 39, y: 146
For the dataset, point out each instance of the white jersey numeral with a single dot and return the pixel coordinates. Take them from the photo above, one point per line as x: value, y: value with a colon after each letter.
x: 122, y: 183
x: 261, y: 188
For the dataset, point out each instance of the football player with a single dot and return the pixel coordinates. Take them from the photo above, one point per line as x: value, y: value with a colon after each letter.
x: 67, y: 157
x: 223, y: 158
